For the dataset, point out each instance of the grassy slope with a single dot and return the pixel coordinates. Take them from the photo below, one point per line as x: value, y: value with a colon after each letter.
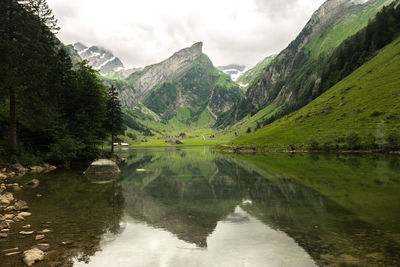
x: 323, y: 43
x: 255, y: 71
x: 333, y: 36
x: 366, y: 101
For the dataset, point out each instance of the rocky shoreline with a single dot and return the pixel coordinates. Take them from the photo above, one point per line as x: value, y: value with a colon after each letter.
x: 13, y: 212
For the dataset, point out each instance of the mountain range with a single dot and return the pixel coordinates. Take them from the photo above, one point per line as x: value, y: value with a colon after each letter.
x: 186, y: 92
x: 102, y: 60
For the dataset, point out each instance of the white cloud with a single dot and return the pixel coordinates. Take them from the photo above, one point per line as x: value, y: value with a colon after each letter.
x: 145, y: 32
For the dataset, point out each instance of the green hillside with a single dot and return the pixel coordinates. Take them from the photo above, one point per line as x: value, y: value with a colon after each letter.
x: 333, y: 35
x: 293, y: 77
x: 255, y: 71
x: 365, y: 102
x: 189, y: 102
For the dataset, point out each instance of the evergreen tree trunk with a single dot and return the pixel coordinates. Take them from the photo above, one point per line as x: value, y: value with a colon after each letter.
x: 11, y: 89
x: 13, y: 122
x: 112, y: 143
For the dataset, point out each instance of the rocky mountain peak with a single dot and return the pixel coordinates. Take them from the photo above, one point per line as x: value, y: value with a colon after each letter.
x: 157, y: 74
x: 103, y: 60
x: 190, y: 53
x: 79, y: 46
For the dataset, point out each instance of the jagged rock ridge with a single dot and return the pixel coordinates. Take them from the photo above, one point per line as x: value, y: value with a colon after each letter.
x: 157, y: 74
x: 104, y: 61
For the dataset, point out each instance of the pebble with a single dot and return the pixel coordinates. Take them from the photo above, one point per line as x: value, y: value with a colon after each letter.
x: 10, y: 250
x: 8, y: 216
x: 26, y: 232
x: 39, y: 237
x: 19, y: 218
x: 25, y: 214
x: 38, y: 195
x: 26, y: 226
x: 2, y: 188
x: 13, y: 253
x: 4, y: 224
x: 44, y: 231
x: 21, y: 205
x: 64, y: 243
x: 3, y: 235
x: 5, y: 230
x: 9, y: 208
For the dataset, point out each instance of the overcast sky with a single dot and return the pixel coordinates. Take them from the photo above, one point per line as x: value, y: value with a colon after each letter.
x: 143, y: 32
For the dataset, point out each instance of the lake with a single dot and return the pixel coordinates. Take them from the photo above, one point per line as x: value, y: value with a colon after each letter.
x: 195, y: 207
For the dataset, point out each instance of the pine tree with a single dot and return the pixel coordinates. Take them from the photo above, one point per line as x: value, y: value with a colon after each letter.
x: 114, y: 118
x: 41, y: 9
x: 12, y: 20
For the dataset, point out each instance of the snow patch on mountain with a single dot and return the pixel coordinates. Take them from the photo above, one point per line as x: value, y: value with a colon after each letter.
x: 104, y: 61
x: 233, y: 70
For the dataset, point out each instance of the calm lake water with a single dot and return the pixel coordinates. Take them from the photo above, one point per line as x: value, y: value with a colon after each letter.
x: 195, y: 207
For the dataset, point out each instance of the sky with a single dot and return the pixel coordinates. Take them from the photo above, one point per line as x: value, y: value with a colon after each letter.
x: 144, y: 32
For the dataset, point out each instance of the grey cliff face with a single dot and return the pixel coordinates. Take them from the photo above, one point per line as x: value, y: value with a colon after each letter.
x: 156, y: 74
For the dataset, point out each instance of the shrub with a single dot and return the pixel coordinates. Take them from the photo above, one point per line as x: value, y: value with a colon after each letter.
x: 376, y: 113
x: 64, y: 149
x: 313, y: 143
x: 370, y: 141
x: 328, y: 146
x: 353, y: 140
x: 394, y: 140
x: 132, y: 136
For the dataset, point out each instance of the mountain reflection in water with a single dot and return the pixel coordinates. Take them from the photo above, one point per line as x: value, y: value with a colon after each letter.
x: 238, y: 240
x: 193, y: 207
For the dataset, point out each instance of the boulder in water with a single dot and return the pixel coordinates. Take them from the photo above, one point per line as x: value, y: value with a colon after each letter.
x: 102, y: 171
x: 102, y: 166
x: 33, y: 255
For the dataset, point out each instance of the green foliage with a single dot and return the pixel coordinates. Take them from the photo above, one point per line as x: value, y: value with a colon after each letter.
x: 132, y: 136
x: 64, y: 149
x: 41, y: 10
x: 313, y: 143
x: 353, y: 140
x: 60, y: 110
x: 120, y: 85
x: 114, y: 116
x: 394, y: 140
x: 356, y: 50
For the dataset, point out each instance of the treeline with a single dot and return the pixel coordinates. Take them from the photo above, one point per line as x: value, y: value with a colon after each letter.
x: 358, y: 49
x: 50, y: 109
x: 351, y: 54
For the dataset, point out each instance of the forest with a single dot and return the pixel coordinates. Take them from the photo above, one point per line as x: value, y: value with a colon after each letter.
x: 50, y: 109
